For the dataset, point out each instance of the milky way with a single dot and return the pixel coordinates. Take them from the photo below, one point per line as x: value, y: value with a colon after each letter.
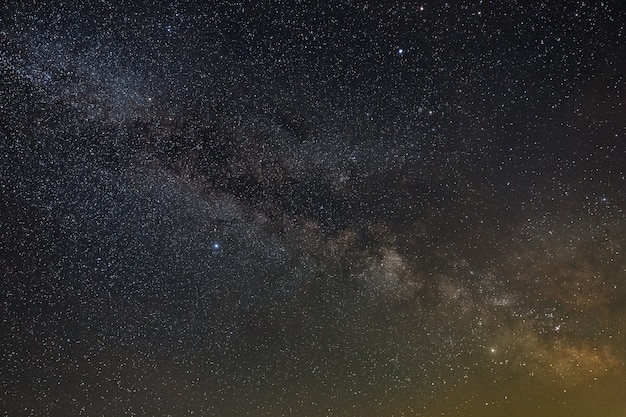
x: 313, y: 209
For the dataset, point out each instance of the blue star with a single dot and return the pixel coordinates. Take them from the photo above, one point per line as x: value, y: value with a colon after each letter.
x: 216, y: 245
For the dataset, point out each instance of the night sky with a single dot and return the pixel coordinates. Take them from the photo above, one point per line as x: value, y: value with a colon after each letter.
x: 302, y: 208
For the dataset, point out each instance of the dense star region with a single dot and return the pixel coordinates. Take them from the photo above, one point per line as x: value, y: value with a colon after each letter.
x: 302, y: 208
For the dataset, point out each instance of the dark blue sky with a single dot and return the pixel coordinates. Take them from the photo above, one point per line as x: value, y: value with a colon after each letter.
x: 312, y: 208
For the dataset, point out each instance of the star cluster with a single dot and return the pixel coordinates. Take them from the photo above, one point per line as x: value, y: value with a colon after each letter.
x: 313, y: 208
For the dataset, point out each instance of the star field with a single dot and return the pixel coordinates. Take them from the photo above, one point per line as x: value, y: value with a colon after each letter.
x: 313, y: 208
